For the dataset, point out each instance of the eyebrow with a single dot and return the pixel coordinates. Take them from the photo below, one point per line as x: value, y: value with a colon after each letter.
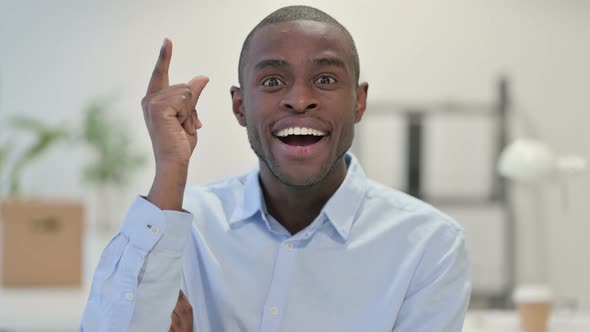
x: 330, y: 62
x: 274, y: 63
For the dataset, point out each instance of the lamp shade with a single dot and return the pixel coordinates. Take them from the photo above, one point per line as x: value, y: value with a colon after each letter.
x: 527, y: 160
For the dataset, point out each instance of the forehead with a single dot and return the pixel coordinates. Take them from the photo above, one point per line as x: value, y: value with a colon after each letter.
x: 298, y: 42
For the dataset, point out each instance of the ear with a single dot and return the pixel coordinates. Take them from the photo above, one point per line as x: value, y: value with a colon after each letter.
x: 238, y: 105
x: 361, y: 101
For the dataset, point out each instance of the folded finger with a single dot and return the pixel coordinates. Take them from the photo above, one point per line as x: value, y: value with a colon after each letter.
x: 180, y: 91
x: 197, y: 121
x: 189, y: 127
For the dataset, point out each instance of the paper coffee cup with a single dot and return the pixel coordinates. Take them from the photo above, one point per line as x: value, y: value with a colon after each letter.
x: 534, y: 306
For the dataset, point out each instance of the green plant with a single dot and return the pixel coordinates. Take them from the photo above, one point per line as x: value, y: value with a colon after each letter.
x: 3, y: 153
x: 115, y: 158
x: 45, y: 137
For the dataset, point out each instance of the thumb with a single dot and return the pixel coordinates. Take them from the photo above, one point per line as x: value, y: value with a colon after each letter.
x: 197, y: 85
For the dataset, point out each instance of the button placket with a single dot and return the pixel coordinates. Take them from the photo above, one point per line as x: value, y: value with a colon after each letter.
x: 276, y: 300
x: 273, y: 311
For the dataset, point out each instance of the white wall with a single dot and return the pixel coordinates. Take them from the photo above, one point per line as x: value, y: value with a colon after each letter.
x: 57, y: 55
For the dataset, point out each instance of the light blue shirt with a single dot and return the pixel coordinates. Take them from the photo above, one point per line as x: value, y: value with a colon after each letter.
x: 374, y: 259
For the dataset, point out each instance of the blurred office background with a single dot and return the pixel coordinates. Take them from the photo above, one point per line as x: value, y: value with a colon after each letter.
x: 61, y: 57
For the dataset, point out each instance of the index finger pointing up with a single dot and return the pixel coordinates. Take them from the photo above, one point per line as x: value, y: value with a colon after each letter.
x: 159, y: 79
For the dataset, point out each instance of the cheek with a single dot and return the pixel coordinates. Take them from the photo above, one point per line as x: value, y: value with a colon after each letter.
x: 258, y: 109
x: 250, y: 108
x: 348, y: 121
x: 254, y: 122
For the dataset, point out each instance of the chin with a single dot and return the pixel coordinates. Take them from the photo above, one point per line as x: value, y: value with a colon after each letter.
x: 298, y: 182
x: 294, y: 172
x: 303, y: 176
x: 301, y: 180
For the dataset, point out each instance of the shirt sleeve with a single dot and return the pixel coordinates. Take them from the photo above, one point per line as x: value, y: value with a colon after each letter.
x: 136, y: 283
x: 438, y: 295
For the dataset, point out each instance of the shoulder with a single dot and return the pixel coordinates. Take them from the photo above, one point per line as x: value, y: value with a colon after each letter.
x: 390, y: 209
x: 408, y: 213
x: 218, y: 187
x: 427, y: 235
x: 221, y: 193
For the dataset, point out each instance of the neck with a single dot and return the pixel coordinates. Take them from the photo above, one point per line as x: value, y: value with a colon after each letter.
x: 295, y: 207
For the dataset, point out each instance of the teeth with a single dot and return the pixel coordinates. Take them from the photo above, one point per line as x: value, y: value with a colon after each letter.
x: 299, y: 131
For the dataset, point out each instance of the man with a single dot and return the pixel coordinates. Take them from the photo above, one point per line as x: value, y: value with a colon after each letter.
x: 304, y: 242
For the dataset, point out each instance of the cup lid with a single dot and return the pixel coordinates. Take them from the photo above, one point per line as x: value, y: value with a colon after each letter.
x: 532, y: 293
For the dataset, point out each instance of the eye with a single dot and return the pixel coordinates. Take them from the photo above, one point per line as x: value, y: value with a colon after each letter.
x: 272, y: 82
x: 325, y: 80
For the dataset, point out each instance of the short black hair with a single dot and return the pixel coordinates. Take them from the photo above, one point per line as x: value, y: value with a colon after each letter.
x: 298, y: 13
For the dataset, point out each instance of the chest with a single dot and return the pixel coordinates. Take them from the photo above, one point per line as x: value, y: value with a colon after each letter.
x: 252, y: 280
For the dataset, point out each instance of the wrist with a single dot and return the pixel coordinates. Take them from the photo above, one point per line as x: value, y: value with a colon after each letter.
x: 171, y: 164
x: 167, y: 190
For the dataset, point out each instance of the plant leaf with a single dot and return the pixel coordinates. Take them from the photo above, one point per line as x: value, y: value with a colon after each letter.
x: 45, y: 138
x: 115, y: 158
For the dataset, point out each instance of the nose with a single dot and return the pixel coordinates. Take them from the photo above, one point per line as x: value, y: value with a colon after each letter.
x: 300, y: 98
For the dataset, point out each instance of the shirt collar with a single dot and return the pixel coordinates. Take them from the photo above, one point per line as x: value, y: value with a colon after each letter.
x: 340, y: 210
x: 251, y: 200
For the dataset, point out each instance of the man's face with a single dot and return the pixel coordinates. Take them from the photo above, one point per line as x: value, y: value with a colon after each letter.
x: 299, y: 100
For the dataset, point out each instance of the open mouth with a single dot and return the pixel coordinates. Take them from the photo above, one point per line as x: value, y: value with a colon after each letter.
x: 300, y: 136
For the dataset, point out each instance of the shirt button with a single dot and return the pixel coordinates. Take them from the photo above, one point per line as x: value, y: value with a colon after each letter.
x: 289, y: 246
x: 154, y: 229
x: 274, y: 311
x: 129, y: 296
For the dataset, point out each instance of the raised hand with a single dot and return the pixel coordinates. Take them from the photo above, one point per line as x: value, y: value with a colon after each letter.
x: 172, y: 122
